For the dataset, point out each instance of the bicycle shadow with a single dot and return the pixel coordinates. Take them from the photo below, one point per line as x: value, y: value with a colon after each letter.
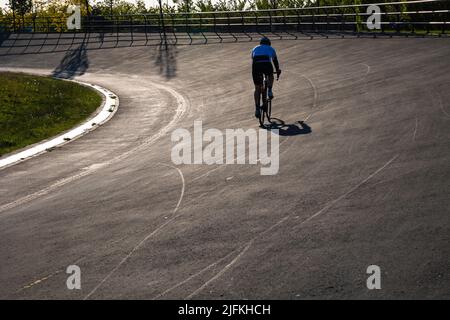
x: 292, y: 129
x: 166, y: 59
x: 4, y: 36
x: 74, y: 63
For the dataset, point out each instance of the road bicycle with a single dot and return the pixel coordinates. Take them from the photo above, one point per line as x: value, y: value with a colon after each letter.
x: 266, y: 109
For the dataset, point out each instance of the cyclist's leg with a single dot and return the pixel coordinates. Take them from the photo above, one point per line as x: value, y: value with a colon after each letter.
x: 270, y: 84
x: 258, y: 82
x: 257, y: 95
x: 264, y: 91
x: 271, y: 79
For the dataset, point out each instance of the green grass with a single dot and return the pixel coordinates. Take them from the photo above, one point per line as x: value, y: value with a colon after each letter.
x: 34, y: 108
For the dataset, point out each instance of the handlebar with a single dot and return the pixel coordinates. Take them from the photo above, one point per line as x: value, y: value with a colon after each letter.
x: 278, y: 76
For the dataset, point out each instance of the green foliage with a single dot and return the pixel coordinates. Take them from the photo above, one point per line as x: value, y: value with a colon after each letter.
x: 207, y: 6
x: 22, y: 7
x: 35, y: 108
x: 267, y: 4
x: 184, y: 5
x: 55, y: 10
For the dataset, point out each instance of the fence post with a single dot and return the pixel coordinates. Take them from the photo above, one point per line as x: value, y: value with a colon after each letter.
x: 173, y: 28
x: 270, y: 21
x: 145, y: 28
x: 116, y: 22
x: 215, y: 27
x: 162, y: 26
x: 328, y: 18
x: 201, y: 29
x: 131, y: 28
x: 313, y: 21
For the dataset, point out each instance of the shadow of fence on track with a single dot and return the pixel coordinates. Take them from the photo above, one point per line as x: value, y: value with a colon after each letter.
x: 39, y: 34
x: 34, y: 43
x: 166, y: 59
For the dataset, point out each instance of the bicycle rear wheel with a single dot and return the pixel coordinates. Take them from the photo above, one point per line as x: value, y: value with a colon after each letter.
x: 261, y: 116
x: 263, y: 109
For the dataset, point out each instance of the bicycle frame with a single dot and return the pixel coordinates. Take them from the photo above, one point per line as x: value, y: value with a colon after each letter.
x: 266, y: 109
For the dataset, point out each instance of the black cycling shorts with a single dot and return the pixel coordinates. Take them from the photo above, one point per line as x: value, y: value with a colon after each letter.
x: 259, y: 69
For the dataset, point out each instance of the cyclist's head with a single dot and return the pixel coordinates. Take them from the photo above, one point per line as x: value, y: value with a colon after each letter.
x: 265, y: 40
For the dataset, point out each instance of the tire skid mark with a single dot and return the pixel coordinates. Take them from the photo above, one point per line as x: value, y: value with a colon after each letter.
x: 415, y: 129
x: 148, y: 236
x: 223, y: 165
x: 195, y: 275
x: 321, y: 211
x: 441, y: 105
x: 222, y: 271
x: 368, y: 69
x: 51, y: 275
x: 85, y: 257
x: 315, y: 97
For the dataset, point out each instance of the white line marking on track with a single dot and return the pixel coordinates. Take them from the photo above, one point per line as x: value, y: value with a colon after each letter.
x: 145, y: 238
x: 321, y: 211
x: 315, y: 96
x: 183, y: 106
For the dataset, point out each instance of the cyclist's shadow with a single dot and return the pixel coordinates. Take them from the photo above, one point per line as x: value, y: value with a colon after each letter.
x: 293, y: 129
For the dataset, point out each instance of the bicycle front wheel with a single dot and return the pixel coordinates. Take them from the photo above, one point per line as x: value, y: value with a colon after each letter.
x: 269, y: 109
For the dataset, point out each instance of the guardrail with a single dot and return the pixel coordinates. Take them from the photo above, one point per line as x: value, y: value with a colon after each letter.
x: 420, y: 17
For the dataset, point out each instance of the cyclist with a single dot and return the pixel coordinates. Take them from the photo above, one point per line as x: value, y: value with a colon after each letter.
x: 263, y: 56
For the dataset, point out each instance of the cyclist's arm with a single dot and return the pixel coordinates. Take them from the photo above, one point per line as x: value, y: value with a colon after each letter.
x: 275, y: 60
x: 275, y: 63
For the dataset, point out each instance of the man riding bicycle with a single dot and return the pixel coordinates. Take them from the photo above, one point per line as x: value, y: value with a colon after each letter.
x: 263, y: 56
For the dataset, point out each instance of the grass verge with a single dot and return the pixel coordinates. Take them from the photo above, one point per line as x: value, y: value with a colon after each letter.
x: 34, y: 108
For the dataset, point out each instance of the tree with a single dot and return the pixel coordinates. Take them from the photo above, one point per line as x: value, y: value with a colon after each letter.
x: 205, y: 6
x: 238, y: 5
x: 184, y: 5
x: 265, y: 4
x: 22, y: 7
x: 86, y: 2
x: 140, y: 6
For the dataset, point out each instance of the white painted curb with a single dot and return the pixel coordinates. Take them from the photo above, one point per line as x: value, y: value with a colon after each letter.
x: 108, y: 109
